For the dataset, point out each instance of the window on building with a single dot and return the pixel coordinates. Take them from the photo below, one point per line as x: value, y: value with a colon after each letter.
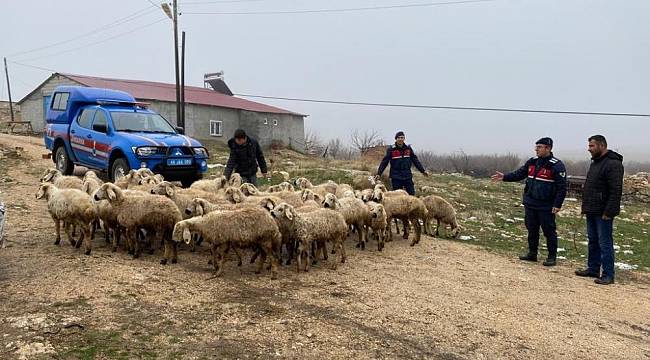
x: 60, y: 101
x: 215, y: 128
x: 266, y: 121
x: 85, y: 117
x: 275, y: 122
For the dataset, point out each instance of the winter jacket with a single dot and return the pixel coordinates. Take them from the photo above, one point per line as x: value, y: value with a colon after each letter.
x: 245, y: 158
x: 545, y: 182
x: 401, y: 158
x: 603, y: 188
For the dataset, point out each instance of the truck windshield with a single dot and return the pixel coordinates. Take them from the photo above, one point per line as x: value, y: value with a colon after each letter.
x: 140, y: 122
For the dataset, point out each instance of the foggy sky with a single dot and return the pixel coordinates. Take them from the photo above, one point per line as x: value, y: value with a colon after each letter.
x: 579, y: 55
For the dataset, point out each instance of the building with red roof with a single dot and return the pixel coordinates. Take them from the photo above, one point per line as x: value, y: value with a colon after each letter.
x: 210, y: 113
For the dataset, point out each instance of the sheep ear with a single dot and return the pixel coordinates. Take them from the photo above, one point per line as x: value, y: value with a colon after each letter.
x: 85, y: 187
x: 47, y: 177
x: 187, y: 235
x: 288, y: 213
x: 338, y: 204
x: 169, y: 190
x: 111, y: 194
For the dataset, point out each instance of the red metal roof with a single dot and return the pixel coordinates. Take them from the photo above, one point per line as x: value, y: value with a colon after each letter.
x: 149, y: 90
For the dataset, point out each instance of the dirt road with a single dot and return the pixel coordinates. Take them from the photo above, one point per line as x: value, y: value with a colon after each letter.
x: 439, y: 299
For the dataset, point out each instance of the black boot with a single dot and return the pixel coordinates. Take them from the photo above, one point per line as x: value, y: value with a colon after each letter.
x: 605, y: 280
x: 587, y: 273
x: 550, y: 261
x: 528, y: 257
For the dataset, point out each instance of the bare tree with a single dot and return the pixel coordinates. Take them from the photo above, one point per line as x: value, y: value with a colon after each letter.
x: 313, y: 143
x: 460, y: 162
x: 334, y: 148
x: 366, y: 140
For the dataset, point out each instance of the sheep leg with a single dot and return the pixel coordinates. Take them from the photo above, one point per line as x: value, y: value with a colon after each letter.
x: 380, y: 240
x: 116, y: 237
x: 260, y: 264
x: 67, y: 227
x: 82, y: 234
x: 255, y: 255
x: 323, y: 247
x: 136, y: 244
x: 406, y: 226
x: 57, y: 226
x: 88, y: 242
x: 307, y: 256
x: 195, y: 239
x: 418, y: 231
x: 437, y: 227
x: 221, y: 251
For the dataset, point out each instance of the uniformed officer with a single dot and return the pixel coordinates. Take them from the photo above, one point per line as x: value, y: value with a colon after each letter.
x: 543, y: 197
x: 401, y: 157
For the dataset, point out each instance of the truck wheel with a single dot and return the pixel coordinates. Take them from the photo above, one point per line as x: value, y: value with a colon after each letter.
x: 63, y: 162
x: 119, y: 169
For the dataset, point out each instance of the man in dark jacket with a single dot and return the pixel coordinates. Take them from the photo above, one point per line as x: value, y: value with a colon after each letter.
x: 601, y: 202
x: 245, y: 156
x: 401, y: 158
x: 544, y: 194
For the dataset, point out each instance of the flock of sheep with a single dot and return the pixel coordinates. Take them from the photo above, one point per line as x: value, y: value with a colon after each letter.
x: 230, y: 216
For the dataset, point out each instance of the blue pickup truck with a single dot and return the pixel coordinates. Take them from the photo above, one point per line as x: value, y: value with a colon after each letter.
x: 110, y: 131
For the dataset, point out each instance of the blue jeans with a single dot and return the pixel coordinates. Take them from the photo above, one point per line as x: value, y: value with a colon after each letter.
x: 249, y: 179
x: 601, y: 245
x: 546, y: 220
x: 406, y: 184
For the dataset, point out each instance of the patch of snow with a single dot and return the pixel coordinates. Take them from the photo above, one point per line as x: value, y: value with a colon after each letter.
x: 570, y: 199
x: 624, y: 266
x: 561, y: 257
x: 465, y: 238
x: 628, y: 252
x: 561, y: 249
x: 498, y: 214
x: 212, y: 166
x: 510, y: 220
x: 518, y: 219
x: 616, y: 247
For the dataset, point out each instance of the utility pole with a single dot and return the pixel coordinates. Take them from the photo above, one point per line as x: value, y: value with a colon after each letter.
x: 183, y: 78
x: 11, y: 106
x: 179, y: 118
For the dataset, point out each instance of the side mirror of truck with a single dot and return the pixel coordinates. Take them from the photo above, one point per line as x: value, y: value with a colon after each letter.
x: 180, y: 130
x: 100, y: 128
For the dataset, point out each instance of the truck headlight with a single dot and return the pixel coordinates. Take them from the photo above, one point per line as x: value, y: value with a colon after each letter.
x: 199, y: 151
x: 146, y: 150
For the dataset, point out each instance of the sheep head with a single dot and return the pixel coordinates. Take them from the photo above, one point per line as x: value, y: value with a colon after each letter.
x: 50, y: 175
x: 90, y: 174
x: 268, y: 203
x: 378, y: 196
x: 304, y: 183
x: 164, y: 188
x: 286, y: 186
x: 197, y: 207
x: 307, y: 194
x: 234, y: 195
x: 377, y: 211
x: 235, y: 180
x: 44, y: 191
x: 456, y: 231
x: 248, y: 189
x: 331, y: 202
x: 182, y: 232
x: 221, y: 182
x: 380, y: 187
x: 365, y: 195
x: 108, y: 192
x: 284, y: 211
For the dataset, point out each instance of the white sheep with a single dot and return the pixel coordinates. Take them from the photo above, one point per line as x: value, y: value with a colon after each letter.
x: 156, y: 214
x: 213, y: 185
x: 244, y: 228
x: 61, y: 181
x: 354, y: 211
x: 443, y: 212
x: 377, y: 222
x: 313, y: 228
x: 321, y: 189
x: 407, y: 208
x: 73, y: 207
x: 183, y: 197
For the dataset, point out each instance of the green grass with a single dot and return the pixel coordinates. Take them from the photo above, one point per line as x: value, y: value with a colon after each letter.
x: 492, y: 215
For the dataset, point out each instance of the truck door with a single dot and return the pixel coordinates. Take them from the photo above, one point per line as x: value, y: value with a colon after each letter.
x: 80, y: 137
x: 100, y: 139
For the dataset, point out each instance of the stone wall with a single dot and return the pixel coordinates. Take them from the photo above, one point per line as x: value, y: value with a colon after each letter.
x: 4, y: 111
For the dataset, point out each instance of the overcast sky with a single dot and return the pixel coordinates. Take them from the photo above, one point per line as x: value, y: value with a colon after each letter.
x: 582, y: 55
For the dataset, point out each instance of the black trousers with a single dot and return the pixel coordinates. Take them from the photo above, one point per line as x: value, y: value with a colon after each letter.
x: 546, y: 220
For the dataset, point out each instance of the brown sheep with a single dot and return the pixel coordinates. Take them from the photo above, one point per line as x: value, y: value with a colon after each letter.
x: 213, y: 186
x: 377, y: 222
x: 406, y: 208
x: 248, y: 227
x: 441, y: 210
x: 156, y: 214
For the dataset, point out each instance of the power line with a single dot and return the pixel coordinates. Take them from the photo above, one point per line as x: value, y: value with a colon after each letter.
x: 154, y: 4
x: 120, y: 21
x: 33, y: 66
x: 403, y: 6
x: 96, y: 42
x: 472, y: 108
x: 217, y: 2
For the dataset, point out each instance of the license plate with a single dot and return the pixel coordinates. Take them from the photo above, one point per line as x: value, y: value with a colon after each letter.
x: 179, y: 162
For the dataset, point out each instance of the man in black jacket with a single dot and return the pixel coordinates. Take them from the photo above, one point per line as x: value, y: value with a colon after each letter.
x: 245, y: 156
x: 543, y: 197
x: 401, y: 157
x: 601, y: 202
